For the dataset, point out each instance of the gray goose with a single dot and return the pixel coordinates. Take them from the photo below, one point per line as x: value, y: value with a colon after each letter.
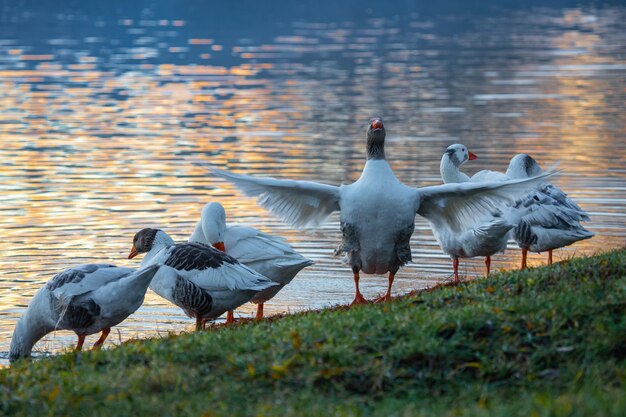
x: 549, y: 219
x: 86, y: 299
x: 203, y: 281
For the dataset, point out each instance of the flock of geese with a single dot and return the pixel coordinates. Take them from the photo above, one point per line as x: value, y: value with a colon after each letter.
x: 224, y: 266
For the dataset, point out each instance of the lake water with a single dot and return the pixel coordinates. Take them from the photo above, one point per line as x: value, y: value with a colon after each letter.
x: 105, y: 113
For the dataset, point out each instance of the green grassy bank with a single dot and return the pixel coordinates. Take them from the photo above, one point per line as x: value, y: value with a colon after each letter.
x: 544, y: 342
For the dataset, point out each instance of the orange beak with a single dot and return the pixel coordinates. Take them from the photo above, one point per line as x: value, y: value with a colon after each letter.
x: 472, y: 156
x: 133, y: 253
x: 377, y: 124
x: 220, y: 246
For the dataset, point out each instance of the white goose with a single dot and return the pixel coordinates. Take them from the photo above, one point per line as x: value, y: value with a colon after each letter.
x: 485, y: 235
x: 268, y: 255
x: 377, y: 212
x: 86, y: 299
x: 545, y: 219
x: 203, y: 281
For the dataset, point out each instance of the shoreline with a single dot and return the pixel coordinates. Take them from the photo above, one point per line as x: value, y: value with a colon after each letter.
x: 516, y: 343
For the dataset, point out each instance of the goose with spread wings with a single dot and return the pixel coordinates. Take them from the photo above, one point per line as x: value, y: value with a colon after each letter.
x: 377, y: 212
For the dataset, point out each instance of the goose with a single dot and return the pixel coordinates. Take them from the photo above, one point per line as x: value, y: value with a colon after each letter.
x: 549, y: 219
x: 486, y: 235
x: 545, y: 219
x: 86, y: 299
x: 268, y: 255
x: 377, y: 212
x: 203, y: 281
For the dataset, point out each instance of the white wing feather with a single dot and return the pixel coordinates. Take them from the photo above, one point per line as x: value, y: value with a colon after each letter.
x: 300, y: 203
x: 228, y: 277
x: 465, y: 205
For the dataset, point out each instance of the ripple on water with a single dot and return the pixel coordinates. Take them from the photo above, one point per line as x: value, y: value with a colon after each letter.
x: 110, y: 127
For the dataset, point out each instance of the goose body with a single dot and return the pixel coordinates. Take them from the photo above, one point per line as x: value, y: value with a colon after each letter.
x: 86, y: 299
x: 377, y: 212
x: 486, y: 237
x: 203, y: 281
x: 548, y: 218
x: 268, y: 255
x: 545, y: 229
x: 377, y: 220
x: 486, y: 234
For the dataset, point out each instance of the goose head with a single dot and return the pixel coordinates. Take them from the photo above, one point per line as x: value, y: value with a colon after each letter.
x: 147, y: 240
x: 453, y: 158
x: 31, y: 327
x: 213, y: 224
x: 376, y: 139
x: 523, y: 166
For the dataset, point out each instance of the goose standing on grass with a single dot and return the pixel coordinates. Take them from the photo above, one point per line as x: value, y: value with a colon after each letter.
x: 268, y: 255
x: 86, y: 299
x: 377, y: 212
x: 549, y: 219
x: 545, y: 219
x: 485, y: 235
x: 203, y: 281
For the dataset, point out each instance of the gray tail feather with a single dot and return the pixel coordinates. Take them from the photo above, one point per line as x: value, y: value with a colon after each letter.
x: 523, y: 234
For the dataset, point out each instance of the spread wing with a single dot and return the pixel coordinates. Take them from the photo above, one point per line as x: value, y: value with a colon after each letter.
x: 463, y: 205
x: 300, y: 203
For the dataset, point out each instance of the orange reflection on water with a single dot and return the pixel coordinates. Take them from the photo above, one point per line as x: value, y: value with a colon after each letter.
x: 92, y: 153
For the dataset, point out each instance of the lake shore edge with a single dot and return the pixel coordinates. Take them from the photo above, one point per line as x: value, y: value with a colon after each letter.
x: 540, y: 341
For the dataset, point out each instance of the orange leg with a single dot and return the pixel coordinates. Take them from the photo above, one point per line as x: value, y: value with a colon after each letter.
x: 230, y: 317
x: 81, y: 341
x: 358, y: 297
x: 103, y: 336
x: 524, y: 255
x: 387, y: 296
x: 550, y: 257
x: 488, y: 264
x: 259, y: 311
x: 455, y: 264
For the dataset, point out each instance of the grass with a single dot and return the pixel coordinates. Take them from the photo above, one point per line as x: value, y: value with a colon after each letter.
x: 543, y: 342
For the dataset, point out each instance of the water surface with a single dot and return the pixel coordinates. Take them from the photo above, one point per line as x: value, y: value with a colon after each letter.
x: 104, y: 116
